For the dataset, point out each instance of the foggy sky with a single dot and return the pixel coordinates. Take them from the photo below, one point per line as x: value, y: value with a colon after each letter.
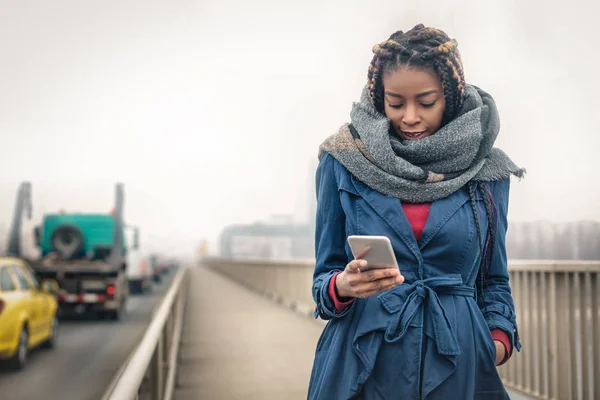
x: 211, y: 112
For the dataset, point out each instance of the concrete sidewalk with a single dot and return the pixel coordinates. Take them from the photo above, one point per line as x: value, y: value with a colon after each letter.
x: 239, y: 345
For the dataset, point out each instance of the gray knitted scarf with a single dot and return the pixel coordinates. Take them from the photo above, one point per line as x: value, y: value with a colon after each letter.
x: 428, y: 169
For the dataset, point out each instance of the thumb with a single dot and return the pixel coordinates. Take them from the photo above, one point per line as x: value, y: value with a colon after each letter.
x: 362, y: 253
x: 355, y: 265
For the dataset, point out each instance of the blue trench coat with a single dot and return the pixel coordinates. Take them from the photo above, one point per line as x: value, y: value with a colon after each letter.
x: 427, y: 338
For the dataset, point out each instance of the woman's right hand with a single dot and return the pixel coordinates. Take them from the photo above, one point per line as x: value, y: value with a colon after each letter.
x: 352, y: 282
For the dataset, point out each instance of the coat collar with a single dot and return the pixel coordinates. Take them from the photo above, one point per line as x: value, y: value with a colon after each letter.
x: 390, y: 210
x: 441, y: 211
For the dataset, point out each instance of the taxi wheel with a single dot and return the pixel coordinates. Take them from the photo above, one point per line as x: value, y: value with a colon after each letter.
x: 18, y: 361
x: 51, y: 342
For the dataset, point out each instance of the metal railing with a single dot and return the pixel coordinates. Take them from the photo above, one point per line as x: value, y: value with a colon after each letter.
x: 150, y: 371
x: 285, y: 281
x: 558, y: 313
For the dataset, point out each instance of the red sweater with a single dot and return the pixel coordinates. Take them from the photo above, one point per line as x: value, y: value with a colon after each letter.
x: 417, y: 215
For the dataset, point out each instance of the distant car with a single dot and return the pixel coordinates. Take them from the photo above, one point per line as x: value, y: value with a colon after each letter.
x: 140, y: 276
x: 28, y: 312
x: 174, y: 264
x: 156, y: 267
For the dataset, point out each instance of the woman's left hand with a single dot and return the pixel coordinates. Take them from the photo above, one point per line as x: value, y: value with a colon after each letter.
x: 500, y: 351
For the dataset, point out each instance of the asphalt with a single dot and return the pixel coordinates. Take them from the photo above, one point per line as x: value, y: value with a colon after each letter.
x: 88, y: 354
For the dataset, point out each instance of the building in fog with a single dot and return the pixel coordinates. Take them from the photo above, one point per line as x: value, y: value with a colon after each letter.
x: 280, y: 240
x: 277, y: 237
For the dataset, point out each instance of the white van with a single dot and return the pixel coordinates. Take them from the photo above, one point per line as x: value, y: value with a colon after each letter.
x: 139, y: 272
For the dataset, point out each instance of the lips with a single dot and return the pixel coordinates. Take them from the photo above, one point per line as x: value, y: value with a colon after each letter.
x: 413, y: 135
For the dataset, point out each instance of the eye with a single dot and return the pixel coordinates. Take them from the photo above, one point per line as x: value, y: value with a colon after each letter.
x: 428, y: 105
x: 395, y: 105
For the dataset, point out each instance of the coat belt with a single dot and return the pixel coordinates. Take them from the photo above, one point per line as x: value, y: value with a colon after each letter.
x: 425, y: 292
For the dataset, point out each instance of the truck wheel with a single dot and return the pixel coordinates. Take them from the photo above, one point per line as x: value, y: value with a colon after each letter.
x: 18, y: 361
x: 119, y: 313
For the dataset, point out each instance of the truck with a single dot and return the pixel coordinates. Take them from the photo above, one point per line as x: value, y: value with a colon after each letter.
x: 86, y: 254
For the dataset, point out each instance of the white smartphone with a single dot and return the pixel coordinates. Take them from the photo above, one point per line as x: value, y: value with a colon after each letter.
x: 380, y: 254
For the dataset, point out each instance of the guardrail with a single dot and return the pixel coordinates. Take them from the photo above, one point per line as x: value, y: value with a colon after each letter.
x: 558, y: 313
x: 286, y: 281
x: 150, y: 372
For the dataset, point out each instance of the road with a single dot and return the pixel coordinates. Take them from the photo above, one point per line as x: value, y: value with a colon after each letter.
x: 88, y: 354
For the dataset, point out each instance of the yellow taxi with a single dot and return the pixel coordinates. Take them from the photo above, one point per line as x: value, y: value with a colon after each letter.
x: 28, y: 312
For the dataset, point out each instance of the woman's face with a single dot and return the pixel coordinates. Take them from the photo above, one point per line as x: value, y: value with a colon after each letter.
x: 414, y: 102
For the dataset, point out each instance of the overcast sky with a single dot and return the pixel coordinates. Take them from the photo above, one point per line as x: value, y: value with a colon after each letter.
x: 211, y: 112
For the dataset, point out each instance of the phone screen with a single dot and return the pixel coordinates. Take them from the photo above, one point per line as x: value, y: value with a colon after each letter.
x: 380, y: 254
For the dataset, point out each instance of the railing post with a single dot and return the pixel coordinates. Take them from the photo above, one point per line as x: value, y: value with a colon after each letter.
x: 166, y: 345
x: 180, y: 304
x: 554, y: 330
x: 156, y: 373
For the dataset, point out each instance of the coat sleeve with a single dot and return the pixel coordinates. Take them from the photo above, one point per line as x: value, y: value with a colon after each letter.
x: 497, y: 304
x: 330, y: 239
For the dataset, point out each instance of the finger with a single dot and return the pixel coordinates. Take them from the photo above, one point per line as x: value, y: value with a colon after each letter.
x: 371, y: 288
x: 387, y: 283
x: 362, y: 253
x: 355, y: 265
x: 376, y: 274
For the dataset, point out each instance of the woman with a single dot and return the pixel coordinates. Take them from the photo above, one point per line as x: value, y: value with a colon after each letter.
x: 416, y: 164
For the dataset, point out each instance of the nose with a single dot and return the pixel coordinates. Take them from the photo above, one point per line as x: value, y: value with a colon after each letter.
x: 411, y: 115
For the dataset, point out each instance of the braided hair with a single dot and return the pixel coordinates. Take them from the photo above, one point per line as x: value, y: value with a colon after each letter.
x: 420, y: 47
x: 486, y: 250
